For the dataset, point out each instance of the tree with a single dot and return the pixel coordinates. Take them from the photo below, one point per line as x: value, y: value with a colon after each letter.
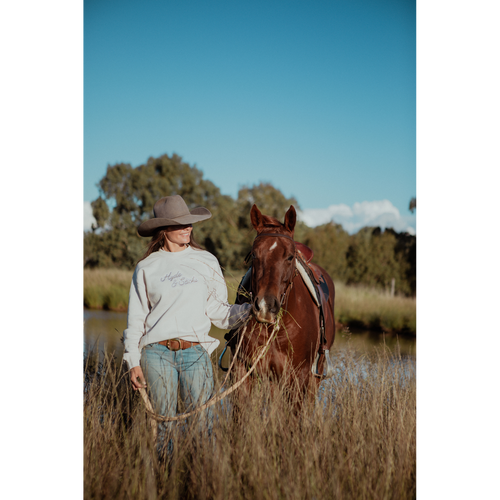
x: 329, y: 243
x: 413, y: 204
x: 100, y: 211
x: 132, y: 192
x: 127, y: 196
x: 220, y: 235
x: 371, y: 258
x: 406, y: 255
x: 269, y: 200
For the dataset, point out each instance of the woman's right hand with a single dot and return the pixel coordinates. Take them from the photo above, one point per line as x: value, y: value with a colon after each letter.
x: 137, y: 378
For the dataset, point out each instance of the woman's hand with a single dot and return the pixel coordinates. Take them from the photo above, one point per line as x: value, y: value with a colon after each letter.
x: 137, y: 378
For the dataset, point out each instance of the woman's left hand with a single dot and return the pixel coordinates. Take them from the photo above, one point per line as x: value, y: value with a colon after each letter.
x: 137, y: 378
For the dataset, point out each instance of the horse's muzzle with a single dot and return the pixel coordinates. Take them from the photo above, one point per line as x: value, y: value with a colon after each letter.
x: 265, y: 309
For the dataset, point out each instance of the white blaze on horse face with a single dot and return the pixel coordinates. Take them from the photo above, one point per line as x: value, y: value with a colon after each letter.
x: 264, y: 315
x: 275, y: 244
x: 263, y: 306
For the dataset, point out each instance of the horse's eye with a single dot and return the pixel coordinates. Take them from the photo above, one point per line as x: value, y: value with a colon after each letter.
x: 290, y: 258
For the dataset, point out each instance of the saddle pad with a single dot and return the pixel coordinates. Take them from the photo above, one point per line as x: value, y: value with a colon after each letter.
x: 307, y: 281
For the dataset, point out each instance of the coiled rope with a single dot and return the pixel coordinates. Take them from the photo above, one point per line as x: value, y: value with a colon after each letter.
x: 219, y: 397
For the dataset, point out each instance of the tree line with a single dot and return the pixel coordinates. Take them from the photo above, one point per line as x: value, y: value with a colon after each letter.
x: 127, y: 195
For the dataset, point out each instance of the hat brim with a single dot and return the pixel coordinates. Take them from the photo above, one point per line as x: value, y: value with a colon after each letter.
x: 148, y: 227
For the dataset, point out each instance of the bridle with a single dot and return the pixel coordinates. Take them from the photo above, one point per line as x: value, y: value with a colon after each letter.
x: 293, y: 273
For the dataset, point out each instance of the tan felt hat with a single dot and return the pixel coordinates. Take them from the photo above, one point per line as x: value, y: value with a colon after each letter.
x: 172, y: 211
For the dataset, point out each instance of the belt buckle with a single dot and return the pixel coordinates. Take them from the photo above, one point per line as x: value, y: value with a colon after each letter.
x: 177, y: 340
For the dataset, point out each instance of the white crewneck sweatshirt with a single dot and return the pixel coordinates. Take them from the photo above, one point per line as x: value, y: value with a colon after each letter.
x: 177, y: 295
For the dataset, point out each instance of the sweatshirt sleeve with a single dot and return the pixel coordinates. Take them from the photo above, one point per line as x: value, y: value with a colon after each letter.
x: 138, y: 309
x: 219, y: 311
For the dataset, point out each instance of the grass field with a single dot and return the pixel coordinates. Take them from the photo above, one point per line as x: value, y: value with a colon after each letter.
x: 355, y: 440
x: 355, y: 306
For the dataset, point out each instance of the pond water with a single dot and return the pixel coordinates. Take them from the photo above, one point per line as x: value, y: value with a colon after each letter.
x: 103, y: 331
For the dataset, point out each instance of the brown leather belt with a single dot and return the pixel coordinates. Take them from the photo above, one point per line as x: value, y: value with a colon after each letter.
x: 178, y: 344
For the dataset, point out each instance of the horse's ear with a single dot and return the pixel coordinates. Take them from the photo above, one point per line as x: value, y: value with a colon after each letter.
x: 290, y: 219
x: 256, y: 218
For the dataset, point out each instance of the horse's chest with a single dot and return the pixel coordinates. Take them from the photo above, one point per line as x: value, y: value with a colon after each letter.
x: 276, y: 356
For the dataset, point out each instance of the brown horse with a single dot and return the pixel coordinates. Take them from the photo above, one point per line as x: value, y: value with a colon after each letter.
x: 283, y: 306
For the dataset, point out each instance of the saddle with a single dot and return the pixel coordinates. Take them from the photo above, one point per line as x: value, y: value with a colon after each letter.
x: 311, y: 275
x: 304, y: 251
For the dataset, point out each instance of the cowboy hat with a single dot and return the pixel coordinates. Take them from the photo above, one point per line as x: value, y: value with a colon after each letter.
x: 172, y: 211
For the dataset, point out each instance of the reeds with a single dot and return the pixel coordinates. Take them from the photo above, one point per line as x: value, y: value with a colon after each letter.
x: 106, y: 289
x: 365, y: 307
x: 355, y: 440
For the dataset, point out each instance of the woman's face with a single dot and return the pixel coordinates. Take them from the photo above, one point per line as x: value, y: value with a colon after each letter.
x: 178, y: 237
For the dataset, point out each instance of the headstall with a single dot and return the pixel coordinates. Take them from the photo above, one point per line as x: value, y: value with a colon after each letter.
x: 294, y: 267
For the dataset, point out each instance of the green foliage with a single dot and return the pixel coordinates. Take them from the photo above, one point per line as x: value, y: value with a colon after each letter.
x: 221, y: 235
x: 271, y: 201
x: 330, y: 244
x: 127, y: 195
x: 406, y: 255
x: 127, y: 198
x: 413, y: 204
x: 371, y: 259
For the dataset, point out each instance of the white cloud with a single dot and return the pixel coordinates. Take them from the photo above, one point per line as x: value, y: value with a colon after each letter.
x: 367, y: 213
x: 317, y: 216
x: 88, y: 218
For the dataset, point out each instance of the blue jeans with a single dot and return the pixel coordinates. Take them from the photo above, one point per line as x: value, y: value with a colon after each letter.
x: 167, y: 372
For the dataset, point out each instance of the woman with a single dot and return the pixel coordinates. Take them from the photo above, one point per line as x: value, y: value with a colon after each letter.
x: 177, y: 291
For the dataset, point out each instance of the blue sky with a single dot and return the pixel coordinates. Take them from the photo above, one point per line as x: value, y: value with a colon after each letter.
x: 316, y: 97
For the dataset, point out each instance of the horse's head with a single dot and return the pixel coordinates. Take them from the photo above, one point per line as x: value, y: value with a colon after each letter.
x: 273, y: 262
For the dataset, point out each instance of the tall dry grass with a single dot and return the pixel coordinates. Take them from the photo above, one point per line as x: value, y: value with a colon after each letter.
x: 355, y: 440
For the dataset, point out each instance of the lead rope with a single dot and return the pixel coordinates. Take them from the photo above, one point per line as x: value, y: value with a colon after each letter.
x: 150, y: 410
x: 215, y: 399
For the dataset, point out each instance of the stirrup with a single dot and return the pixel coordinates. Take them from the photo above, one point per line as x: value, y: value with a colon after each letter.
x: 329, y: 366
